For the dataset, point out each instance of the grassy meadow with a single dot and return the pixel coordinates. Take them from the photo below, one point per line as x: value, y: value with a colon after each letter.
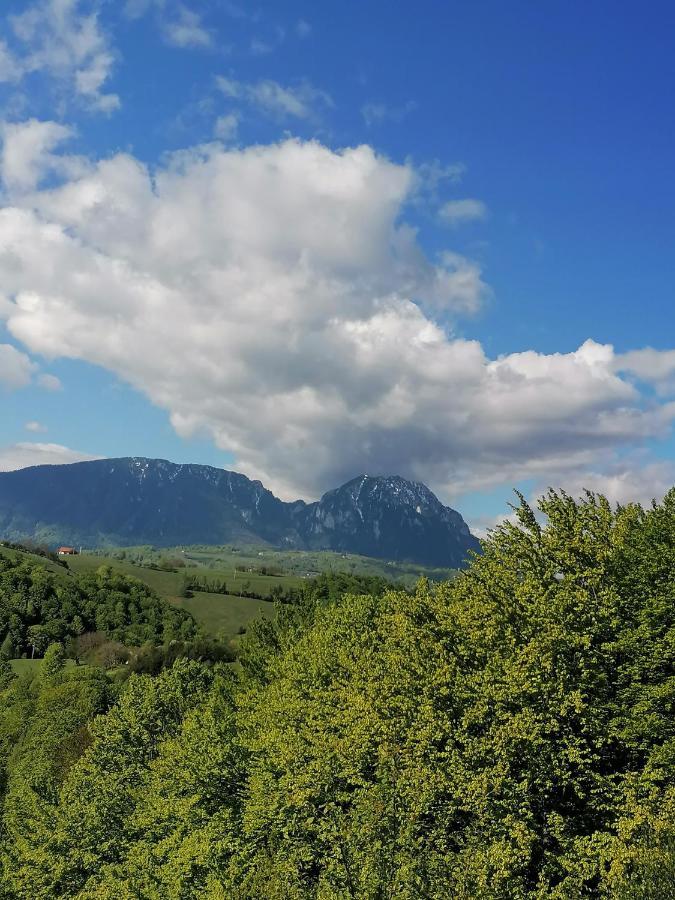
x: 21, y: 666
x: 220, y: 614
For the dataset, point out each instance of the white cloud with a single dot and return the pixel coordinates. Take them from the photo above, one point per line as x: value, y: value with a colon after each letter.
x: 36, y: 427
x: 16, y: 369
x: 58, y: 38
x: 50, y: 382
x: 457, y: 212
x: 185, y: 29
x: 375, y: 113
x: 653, y: 366
x: 431, y: 176
x: 27, y: 153
x: 179, y: 25
x: 232, y: 89
x: 302, y: 101
x: 10, y: 69
x: 28, y: 453
x: 632, y: 479
x: 226, y: 127
x: 274, y: 298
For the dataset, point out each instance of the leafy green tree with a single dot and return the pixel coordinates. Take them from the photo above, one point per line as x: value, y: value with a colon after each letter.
x: 508, y: 735
x: 44, y: 729
x: 54, y: 661
x: 7, y: 647
x: 61, y: 852
x: 6, y: 674
x: 38, y: 608
x: 473, y: 742
x: 185, y: 821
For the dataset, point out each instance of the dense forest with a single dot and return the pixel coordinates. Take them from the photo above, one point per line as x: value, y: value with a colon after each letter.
x: 38, y: 608
x: 509, y: 734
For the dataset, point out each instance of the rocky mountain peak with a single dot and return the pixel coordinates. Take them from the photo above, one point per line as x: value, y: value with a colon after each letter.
x: 135, y: 500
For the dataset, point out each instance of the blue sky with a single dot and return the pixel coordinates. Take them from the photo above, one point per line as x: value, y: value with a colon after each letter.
x: 532, y: 142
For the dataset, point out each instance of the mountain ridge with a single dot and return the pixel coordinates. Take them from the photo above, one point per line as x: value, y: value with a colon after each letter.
x: 138, y: 500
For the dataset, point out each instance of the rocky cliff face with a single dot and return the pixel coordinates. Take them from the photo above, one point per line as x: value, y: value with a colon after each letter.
x: 142, y: 501
x: 388, y: 517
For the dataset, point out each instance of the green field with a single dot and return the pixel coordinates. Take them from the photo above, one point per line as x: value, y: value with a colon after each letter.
x: 221, y: 561
x: 21, y: 666
x: 225, y: 614
x: 169, y: 584
x: 219, y: 614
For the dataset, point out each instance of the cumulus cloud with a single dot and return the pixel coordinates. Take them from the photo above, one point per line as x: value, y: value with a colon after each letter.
x: 16, y: 369
x: 457, y: 212
x: 632, y: 479
x: 301, y: 101
x: 628, y: 481
x: 64, y: 40
x: 27, y: 153
x: 653, y: 366
x: 274, y: 298
x: 28, y: 453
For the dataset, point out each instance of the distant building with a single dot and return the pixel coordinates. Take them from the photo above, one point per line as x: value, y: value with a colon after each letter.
x: 67, y: 551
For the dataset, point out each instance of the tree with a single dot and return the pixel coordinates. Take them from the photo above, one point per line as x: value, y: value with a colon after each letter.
x: 61, y: 851
x: 37, y: 608
x: 54, y: 661
x: 7, y: 647
x: 43, y: 731
x: 38, y: 639
x: 508, y: 735
x: 6, y: 674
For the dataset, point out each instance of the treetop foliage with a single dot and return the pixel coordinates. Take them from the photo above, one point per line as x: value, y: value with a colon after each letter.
x: 38, y: 608
x: 508, y: 735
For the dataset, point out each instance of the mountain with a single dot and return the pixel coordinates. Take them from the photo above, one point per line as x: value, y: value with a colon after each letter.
x: 390, y: 518
x: 130, y: 501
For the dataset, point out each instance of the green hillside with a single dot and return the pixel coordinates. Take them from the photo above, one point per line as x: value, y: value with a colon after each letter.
x: 244, y: 570
x: 14, y: 553
x: 220, y: 614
